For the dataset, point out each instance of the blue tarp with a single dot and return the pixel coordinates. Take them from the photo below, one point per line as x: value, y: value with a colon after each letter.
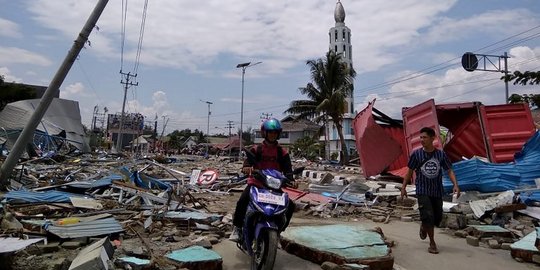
x: 51, y: 196
x: 475, y: 174
x: 148, y: 183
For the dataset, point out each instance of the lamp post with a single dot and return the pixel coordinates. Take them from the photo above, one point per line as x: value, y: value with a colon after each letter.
x: 207, y: 125
x: 243, y: 66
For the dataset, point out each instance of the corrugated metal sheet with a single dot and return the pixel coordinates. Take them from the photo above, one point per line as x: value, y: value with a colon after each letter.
x: 507, y: 127
x: 11, y: 244
x: 417, y: 117
x: 475, y: 174
x: 104, y: 226
x: 369, y: 138
x: 467, y: 140
x: 52, y: 196
x: 398, y: 134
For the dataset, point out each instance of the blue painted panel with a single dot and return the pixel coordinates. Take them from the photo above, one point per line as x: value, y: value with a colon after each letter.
x: 350, y: 242
x: 52, y: 196
x: 193, y: 254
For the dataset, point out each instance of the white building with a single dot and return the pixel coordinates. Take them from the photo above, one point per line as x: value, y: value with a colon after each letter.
x: 340, y: 42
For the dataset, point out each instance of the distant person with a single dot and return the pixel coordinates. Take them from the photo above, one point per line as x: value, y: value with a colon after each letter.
x: 429, y: 162
x: 268, y: 155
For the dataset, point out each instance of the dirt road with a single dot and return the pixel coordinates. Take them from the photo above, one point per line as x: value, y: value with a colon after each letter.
x: 410, y: 252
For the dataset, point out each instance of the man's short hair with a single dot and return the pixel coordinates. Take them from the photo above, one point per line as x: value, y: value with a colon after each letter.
x: 429, y: 131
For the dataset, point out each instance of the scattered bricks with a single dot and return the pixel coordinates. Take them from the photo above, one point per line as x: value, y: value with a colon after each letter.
x: 456, y: 221
x: 494, y: 244
x: 473, y: 241
x: 213, y: 240
x: 203, y: 243
x: 407, y: 219
x: 50, y: 248
x: 58, y: 264
x: 379, y: 219
x: 536, y: 258
x: 506, y: 246
x: 461, y: 233
x: 71, y: 245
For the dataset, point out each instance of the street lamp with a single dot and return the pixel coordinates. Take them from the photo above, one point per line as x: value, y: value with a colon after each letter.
x: 243, y: 66
x: 207, y: 125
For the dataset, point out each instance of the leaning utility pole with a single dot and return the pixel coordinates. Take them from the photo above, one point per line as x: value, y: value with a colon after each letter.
x: 126, y: 84
x: 49, y: 94
x: 230, y: 125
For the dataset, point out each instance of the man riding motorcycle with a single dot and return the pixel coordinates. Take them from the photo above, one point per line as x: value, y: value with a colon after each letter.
x: 268, y: 155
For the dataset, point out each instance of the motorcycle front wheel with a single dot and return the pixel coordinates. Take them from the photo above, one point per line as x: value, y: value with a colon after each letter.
x: 264, y: 254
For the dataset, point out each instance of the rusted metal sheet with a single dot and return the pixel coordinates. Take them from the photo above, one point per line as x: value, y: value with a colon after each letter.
x: 507, y: 127
x: 417, y: 117
x: 369, y: 138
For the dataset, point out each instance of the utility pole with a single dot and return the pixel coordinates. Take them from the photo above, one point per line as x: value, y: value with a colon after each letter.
x: 127, y: 83
x: 46, y: 99
x: 207, y: 125
x: 230, y: 125
x: 243, y: 66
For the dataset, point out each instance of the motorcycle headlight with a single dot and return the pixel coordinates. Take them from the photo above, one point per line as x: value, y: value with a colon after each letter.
x: 273, y: 182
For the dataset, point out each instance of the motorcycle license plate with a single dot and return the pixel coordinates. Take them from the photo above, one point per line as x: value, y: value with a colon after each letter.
x: 271, y: 198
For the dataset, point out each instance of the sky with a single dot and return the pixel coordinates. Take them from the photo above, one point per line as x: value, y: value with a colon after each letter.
x: 404, y: 52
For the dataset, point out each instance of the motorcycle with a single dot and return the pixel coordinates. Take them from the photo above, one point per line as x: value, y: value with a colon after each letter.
x: 265, y: 219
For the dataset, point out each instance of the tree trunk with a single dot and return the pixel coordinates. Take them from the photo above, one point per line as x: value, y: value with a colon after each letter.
x: 344, y: 150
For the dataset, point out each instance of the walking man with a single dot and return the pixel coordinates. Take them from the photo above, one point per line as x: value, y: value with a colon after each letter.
x: 428, y: 163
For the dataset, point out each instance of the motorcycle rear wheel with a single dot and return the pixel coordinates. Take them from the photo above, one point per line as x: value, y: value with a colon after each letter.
x: 265, y: 251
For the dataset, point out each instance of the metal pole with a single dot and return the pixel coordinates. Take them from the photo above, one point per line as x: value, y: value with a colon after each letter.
x: 241, y: 113
x: 505, y: 75
x: 121, y: 126
x: 208, y: 127
x: 48, y: 96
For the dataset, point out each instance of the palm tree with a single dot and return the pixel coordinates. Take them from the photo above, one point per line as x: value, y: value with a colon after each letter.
x: 332, y: 81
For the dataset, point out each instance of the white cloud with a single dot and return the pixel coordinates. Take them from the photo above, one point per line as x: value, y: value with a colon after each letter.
x: 495, y: 22
x: 74, y: 91
x: 12, y: 55
x: 455, y: 86
x: 283, y: 34
x: 9, y: 29
x: 8, y: 77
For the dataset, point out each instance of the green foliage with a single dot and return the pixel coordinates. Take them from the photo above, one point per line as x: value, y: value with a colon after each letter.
x: 532, y: 99
x: 332, y: 81
x: 307, y: 147
x: 523, y: 78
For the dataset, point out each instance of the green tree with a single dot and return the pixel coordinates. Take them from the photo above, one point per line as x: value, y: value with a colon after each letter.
x: 523, y: 78
x: 532, y: 99
x: 332, y: 81
x: 307, y: 147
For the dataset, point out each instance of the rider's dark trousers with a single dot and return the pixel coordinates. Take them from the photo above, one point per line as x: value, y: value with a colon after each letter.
x: 242, y: 204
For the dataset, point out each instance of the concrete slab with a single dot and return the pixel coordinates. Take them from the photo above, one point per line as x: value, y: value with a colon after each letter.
x: 481, y: 231
x: 525, y: 248
x: 197, y: 258
x: 340, y: 244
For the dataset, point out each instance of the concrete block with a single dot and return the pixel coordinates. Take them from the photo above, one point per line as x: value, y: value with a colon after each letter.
x: 49, y: 248
x: 406, y: 219
x: 92, y: 260
x: 536, y: 258
x: 473, y: 241
x: 71, y: 245
x: 461, y: 233
x: 379, y: 219
x: 330, y: 266
x: 494, y: 244
x: 506, y: 246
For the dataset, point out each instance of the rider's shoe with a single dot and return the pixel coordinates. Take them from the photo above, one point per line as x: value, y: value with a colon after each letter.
x: 235, y: 234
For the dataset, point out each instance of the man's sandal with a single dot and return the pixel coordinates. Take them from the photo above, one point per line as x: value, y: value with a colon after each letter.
x: 422, y: 234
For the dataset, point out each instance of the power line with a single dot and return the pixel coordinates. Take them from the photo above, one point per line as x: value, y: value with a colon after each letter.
x: 141, y: 36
